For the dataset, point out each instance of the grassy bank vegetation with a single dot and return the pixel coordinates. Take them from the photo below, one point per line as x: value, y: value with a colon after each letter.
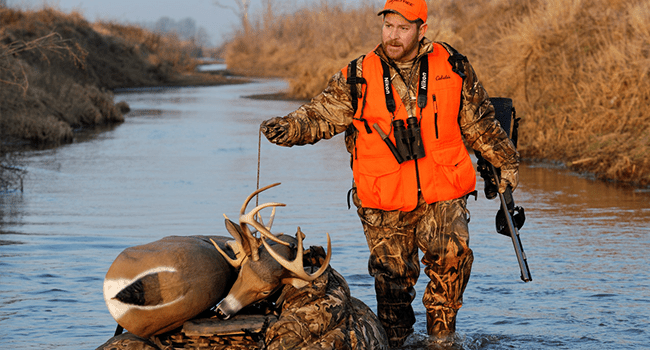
x: 578, y: 70
x: 57, y: 71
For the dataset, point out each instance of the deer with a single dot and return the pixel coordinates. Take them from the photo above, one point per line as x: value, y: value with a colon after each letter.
x: 262, y: 268
x: 317, y: 309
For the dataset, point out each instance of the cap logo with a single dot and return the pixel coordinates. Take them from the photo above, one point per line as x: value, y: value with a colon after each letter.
x: 403, y: 1
x: 409, y: 9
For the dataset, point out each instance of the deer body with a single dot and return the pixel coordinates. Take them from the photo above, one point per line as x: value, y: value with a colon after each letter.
x: 155, y: 287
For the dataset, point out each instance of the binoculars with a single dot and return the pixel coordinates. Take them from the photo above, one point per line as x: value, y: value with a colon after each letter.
x: 408, y: 140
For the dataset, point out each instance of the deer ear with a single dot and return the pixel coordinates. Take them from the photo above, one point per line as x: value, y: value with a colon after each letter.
x: 296, y: 282
x: 236, y: 232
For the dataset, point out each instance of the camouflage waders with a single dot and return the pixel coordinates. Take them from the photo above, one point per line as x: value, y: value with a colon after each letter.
x: 440, y: 231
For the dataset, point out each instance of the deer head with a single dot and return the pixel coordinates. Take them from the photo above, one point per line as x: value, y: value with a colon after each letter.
x: 263, y: 266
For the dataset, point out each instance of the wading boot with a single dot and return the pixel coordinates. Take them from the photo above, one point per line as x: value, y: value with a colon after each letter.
x: 397, y: 320
x: 441, y: 322
x: 397, y: 336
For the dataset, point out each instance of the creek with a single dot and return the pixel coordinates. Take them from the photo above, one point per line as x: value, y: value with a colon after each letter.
x: 185, y: 156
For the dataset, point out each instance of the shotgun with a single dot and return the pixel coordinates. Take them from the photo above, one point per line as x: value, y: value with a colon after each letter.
x: 510, y: 218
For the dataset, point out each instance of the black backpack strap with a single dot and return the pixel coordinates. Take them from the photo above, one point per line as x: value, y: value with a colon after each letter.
x: 356, y: 91
x: 456, y: 59
x: 505, y: 114
x: 354, y: 82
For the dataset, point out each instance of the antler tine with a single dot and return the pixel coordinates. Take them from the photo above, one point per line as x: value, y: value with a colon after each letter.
x: 254, y: 242
x: 261, y: 220
x: 248, y: 199
x: 271, y: 219
x: 296, y: 266
x: 250, y: 219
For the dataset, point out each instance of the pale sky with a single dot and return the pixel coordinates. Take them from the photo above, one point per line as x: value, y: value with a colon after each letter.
x: 217, y: 21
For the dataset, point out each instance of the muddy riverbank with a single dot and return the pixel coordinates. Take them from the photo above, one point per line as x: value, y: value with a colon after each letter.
x: 58, y: 72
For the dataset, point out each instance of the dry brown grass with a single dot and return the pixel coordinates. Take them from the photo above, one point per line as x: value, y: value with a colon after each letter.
x: 57, y: 69
x: 304, y: 46
x: 576, y: 69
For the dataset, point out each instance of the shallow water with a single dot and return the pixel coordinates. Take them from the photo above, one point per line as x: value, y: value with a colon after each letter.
x: 185, y: 156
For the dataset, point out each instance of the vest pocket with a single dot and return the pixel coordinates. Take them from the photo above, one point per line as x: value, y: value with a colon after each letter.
x: 455, y: 175
x: 379, y: 182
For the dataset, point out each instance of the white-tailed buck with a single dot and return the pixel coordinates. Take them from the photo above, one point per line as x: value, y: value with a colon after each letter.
x: 154, y: 288
x: 263, y: 267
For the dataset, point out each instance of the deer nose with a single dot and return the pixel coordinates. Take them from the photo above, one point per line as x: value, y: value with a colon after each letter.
x: 222, y: 315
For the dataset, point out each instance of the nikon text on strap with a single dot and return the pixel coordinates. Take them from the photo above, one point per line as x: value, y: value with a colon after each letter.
x: 423, y: 82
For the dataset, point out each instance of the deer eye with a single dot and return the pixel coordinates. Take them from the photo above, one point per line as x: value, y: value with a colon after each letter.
x: 265, y: 293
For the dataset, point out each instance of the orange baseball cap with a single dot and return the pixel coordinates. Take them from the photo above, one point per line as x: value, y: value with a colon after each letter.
x: 409, y: 9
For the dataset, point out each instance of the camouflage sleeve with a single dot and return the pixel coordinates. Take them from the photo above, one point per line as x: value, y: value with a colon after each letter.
x: 479, y: 127
x: 324, y: 116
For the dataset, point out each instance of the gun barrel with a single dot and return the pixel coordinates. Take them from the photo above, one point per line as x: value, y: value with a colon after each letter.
x: 514, y: 234
x: 516, y: 242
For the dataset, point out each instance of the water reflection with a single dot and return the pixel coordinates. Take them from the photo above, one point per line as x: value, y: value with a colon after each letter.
x: 185, y: 156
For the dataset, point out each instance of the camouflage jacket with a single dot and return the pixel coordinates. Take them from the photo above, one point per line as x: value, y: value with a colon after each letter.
x: 331, y: 113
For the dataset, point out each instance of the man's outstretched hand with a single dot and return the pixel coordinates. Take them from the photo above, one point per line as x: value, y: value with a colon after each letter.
x: 275, y: 129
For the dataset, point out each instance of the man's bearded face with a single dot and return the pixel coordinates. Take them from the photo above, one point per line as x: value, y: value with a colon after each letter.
x: 400, y: 37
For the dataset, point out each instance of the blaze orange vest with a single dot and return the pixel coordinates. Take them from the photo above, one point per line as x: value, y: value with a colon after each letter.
x: 446, y: 172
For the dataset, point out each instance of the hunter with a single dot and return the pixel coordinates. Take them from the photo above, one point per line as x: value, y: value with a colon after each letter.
x: 407, y: 109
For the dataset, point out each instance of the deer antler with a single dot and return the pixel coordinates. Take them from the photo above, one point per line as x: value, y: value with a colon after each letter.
x: 246, y: 243
x: 296, y: 266
x: 255, y: 242
x: 258, y: 225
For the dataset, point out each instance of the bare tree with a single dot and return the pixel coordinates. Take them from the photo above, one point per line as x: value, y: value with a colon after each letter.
x: 241, y: 11
x: 202, y: 38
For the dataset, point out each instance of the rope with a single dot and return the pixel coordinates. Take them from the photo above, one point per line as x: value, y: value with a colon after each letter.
x: 259, y: 153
